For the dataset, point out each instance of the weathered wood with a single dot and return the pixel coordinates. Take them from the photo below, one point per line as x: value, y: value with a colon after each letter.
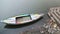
x: 54, y: 14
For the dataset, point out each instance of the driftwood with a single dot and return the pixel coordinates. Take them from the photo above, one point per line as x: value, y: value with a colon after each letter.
x: 54, y: 14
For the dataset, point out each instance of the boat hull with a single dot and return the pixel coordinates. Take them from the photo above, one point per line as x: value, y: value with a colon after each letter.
x: 25, y: 18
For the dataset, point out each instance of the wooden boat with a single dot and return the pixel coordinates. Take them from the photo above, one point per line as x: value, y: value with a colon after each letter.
x: 21, y: 19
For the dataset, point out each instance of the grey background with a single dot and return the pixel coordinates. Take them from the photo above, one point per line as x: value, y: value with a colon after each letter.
x: 10, y: 8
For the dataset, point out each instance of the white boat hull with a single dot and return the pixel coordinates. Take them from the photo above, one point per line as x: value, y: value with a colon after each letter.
x: 22, y: 21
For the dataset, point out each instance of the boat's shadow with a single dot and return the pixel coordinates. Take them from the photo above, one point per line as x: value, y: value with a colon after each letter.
x: 21, y: 25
